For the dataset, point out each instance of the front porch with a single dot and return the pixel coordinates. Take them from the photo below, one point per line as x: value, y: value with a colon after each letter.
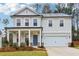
x: 25, y: 36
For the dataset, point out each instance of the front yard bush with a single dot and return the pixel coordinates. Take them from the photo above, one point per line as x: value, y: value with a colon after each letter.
x: 15, y: 45
x: 9, y: 49
x: 23, y: 44
x: 41, y: 47
x: 4, y: 42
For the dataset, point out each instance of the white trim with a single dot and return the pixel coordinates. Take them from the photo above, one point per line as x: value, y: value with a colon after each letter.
x: 23, y: 29
x: 19, y: 37
x: 40, y: 38
x: 29, y: 38
x: 8, y: 36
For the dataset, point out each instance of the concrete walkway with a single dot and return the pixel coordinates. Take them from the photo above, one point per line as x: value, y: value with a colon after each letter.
x: 62, y: 51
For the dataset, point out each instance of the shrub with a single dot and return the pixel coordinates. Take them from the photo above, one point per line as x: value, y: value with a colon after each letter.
x: 22, y: 45
x: 40, y: 46
x: 10, y: 43
x: 4, y: 42
x: 15, y: 45
x: 72, y: 45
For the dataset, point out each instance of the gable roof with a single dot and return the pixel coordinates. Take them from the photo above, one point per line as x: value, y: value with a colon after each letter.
x: 21, y: 9
x: 44, y: 15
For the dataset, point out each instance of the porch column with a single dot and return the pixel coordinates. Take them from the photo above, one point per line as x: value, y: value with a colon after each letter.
x: 40, y: 38
x: 19, y: 37
x: 29, y: 38
x: 8, y: 36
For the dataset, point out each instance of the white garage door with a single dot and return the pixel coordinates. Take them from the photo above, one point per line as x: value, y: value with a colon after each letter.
x: 55, y: 41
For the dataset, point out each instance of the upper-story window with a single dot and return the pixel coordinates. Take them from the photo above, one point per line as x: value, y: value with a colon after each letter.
x: 61, y: 23
x: 50, y: 23
x: 26, y: 22
x: 35, y: 22
x: 18, y: 22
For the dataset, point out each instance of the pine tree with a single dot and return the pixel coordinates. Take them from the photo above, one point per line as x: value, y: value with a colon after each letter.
x: 46, y: 9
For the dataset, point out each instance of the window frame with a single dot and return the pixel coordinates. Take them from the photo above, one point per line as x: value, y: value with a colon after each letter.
x: 34, y: 22
x: 61, y: 23
x: 27, y: 22
x: 18, y: 22
x: 50, y: 23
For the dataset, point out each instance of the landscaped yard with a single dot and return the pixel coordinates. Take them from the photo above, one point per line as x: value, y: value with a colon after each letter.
x: 24, y: 53
x: 76, y: 46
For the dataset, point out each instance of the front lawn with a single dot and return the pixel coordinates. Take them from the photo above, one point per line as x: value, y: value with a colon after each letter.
x: 76, y: 46
x: 24, y: 53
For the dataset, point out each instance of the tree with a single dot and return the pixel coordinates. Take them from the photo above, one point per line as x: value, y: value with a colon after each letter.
x: 46, y: 9
x: 36, y: 6
x: 66, y: 10
x: 70, y: 5
x: 76, y: 18
x: 5, y: 21
x: 59, y: 9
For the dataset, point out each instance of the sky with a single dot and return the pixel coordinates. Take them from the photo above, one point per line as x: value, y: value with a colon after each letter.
x: 7, y: 8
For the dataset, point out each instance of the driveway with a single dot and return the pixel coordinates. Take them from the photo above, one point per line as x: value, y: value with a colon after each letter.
x: 62, y: 51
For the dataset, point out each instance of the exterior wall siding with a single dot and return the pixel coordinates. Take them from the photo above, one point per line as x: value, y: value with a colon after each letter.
x: 30, y: 21
x: 56, y: 25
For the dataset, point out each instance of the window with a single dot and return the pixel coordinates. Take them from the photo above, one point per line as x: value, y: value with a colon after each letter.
x: 61, y: 23
x: 18, y: 22
x: 50, y: 23
x: 26, y: 22
x: 35, y: 22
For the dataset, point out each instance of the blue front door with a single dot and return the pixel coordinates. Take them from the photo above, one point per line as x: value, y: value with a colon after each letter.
x: 35, y: 40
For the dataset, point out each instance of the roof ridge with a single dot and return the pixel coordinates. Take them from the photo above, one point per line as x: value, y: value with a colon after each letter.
x: 17, y: 11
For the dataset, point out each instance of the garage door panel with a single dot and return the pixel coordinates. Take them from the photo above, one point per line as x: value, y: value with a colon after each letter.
x: 55, y: 41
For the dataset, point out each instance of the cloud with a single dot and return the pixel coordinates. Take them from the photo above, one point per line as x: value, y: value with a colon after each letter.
x: 11, y: 5
x: 3, y: 9
x: 8, y: 7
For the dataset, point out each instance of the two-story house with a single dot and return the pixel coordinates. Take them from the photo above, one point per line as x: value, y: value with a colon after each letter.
x: 34, y: 29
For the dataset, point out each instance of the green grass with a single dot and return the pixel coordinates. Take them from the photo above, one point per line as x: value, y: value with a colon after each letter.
x: 24, y: 53
x: 76, y: 46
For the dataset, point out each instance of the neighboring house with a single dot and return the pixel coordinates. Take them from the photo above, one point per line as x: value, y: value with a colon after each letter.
x: 53, y: 29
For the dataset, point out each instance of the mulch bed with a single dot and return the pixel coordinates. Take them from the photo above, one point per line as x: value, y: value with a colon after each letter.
x: 75, y: 43
x: 12, y: 49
